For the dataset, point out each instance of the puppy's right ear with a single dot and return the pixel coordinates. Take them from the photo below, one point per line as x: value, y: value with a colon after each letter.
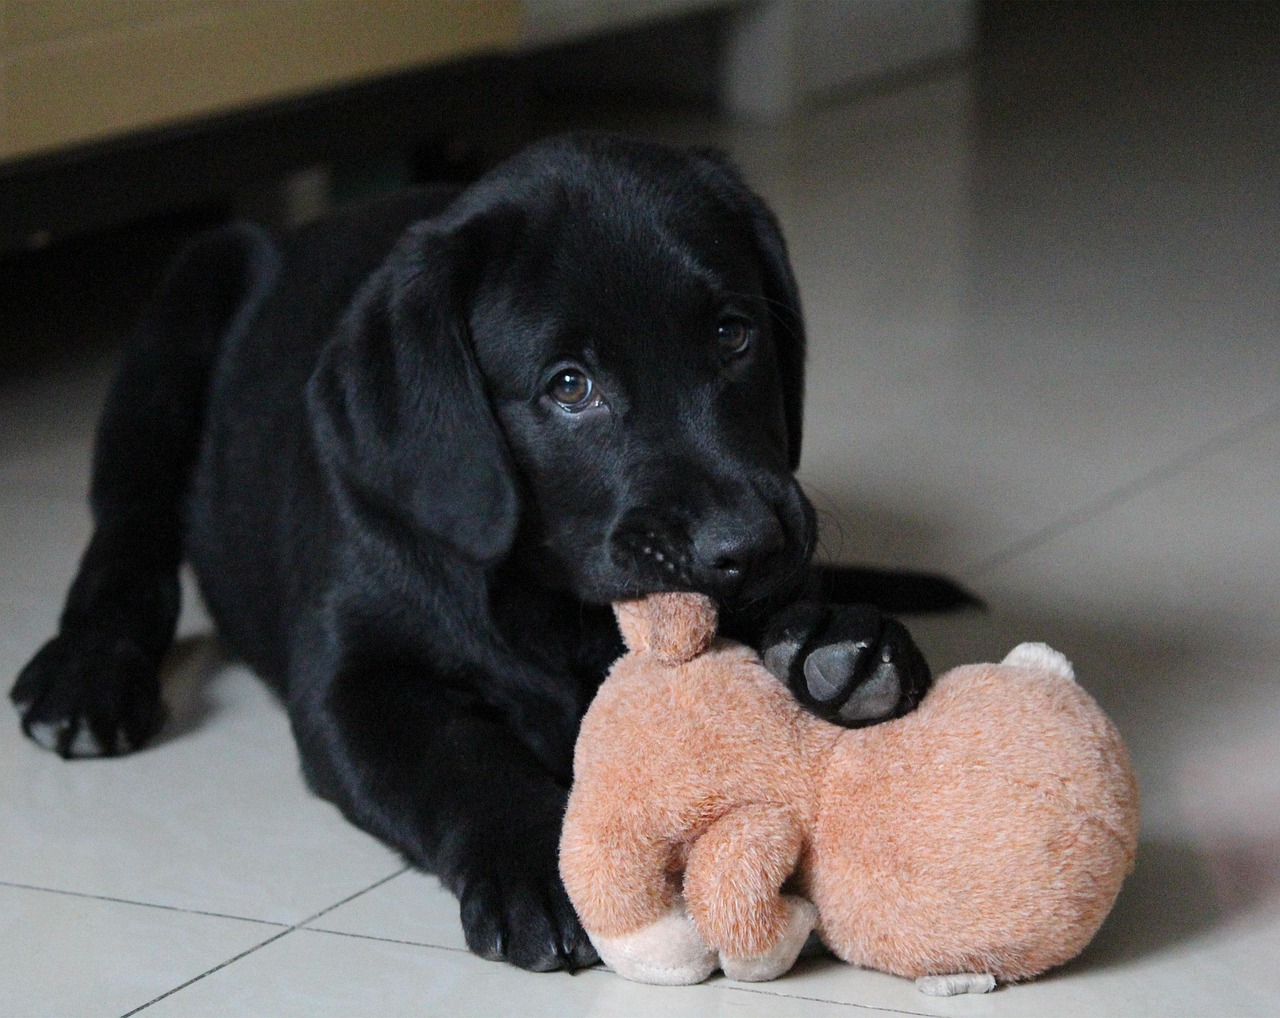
x: 398, y: 406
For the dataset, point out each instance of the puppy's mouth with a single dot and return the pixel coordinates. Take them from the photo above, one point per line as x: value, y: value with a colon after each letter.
x: 736, y: 561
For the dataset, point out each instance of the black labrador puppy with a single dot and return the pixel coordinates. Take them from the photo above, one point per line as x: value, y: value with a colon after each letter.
x: 413, y: 452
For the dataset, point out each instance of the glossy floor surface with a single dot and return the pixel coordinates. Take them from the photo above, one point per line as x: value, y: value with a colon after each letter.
x: 1045, y: 322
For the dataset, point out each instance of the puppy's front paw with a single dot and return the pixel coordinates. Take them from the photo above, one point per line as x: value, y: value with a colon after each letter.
x: 84, y: 695
x: 525, y: 921
x: 849, y: 664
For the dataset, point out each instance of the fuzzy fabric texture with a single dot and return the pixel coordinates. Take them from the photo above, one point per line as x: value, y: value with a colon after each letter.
x: 667, y: 952
x: 987, y: 832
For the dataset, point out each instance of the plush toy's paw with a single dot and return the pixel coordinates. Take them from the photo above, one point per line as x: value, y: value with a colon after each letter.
x: 849, y: 664
x: 961, y: 982
x: 668, y: 952
x: 802, y: 916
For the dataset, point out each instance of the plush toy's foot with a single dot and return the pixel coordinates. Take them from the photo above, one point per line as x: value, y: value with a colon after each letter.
x: 961, y: 982
x: 668, y: 952
x: 802, y: 915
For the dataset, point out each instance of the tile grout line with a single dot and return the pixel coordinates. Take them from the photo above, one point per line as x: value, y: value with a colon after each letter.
x: 1123, y: 493
x: 869, y: 1008
x: 140, y: 904
x: 209, y: 972
x: 758, y: 990
x: 270, y: 940
x: 386, y: 940
x: 304, y: 926
x: 599, y: 969
x: 602, y: 970
x: 406, y: 868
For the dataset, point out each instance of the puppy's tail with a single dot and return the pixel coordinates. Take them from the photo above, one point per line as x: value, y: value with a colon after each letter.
x: 892, y: 590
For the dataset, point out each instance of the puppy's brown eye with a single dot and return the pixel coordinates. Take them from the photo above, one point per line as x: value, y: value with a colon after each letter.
x: 736, y: 336
x: 572, y: 388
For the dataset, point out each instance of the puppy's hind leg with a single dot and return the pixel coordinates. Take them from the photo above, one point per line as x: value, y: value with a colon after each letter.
x: 94, y: 689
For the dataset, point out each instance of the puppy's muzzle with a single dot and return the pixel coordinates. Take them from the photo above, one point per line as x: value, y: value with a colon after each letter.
x: 725, y: 558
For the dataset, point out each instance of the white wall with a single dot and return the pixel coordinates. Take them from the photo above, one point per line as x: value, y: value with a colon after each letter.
x: 783, y: 53
x: 549, y: 21
x: 780, y: 54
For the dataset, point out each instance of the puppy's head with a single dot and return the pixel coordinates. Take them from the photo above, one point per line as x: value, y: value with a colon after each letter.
x: 630, y: 403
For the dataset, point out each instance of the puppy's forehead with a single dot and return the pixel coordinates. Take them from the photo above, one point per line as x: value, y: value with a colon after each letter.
x: 632, y: 248
x: 611, y: 293
x: 609, y: 262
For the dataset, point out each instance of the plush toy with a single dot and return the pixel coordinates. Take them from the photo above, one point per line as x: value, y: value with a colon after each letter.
x: 713, y: 822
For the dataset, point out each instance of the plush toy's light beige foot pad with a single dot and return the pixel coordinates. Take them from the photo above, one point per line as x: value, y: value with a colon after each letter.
x: 962, y: 982
x: 669, y: 952
x: 802, y: 915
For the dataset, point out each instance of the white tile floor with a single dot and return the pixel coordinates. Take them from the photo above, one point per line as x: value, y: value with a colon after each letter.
x: 1045, y: 357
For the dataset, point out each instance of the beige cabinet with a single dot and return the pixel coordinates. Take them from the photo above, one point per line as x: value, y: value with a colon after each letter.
x: 78, y: 71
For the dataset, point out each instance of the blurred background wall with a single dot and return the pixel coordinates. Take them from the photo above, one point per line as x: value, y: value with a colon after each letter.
x: 111, y: 110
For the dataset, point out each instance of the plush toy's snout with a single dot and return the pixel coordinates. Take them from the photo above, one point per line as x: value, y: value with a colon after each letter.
x: 674, y: 627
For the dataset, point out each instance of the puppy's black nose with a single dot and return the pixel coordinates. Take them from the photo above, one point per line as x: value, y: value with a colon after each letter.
x: 726, y: 554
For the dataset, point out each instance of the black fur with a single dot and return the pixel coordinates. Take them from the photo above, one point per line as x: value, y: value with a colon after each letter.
x: 357, y: 434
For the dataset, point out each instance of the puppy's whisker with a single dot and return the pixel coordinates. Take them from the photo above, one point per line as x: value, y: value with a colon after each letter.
x: 831, y: 517
x: 780, y: 311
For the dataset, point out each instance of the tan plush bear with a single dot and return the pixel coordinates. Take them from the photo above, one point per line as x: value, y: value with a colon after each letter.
x: 982, y: 838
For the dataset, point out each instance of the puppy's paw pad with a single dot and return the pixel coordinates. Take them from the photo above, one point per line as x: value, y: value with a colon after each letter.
x: 859, y: 680
x: 850, y: 664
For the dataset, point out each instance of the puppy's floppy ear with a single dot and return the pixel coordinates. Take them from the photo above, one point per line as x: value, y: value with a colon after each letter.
x: 398, y: 405
x: 780, y: 289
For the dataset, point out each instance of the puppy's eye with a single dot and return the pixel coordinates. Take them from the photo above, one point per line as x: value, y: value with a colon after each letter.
x: 736, y: 336
x: 573, y: 389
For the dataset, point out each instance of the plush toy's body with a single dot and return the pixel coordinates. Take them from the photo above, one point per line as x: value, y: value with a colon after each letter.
x: 987, y: 832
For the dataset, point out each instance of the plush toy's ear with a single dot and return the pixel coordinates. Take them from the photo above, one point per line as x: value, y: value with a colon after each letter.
x: 780, y: 290
x: 398, y: 406
x: 674, y: 627
x: 1041, y: 657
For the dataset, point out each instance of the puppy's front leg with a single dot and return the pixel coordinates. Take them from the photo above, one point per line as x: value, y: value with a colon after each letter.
x: 439, y: 776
